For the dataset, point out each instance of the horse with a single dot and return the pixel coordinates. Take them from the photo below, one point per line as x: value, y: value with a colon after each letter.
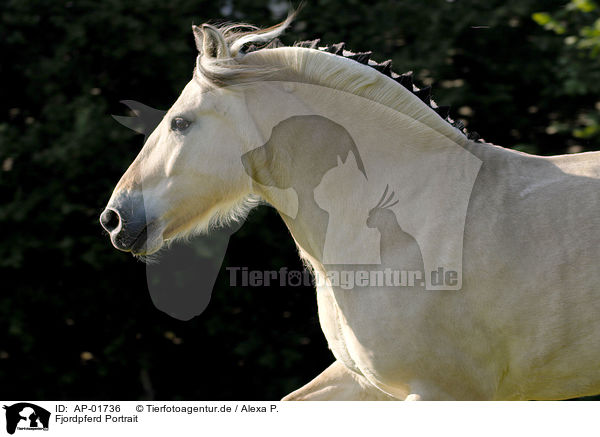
x: 509, y: 305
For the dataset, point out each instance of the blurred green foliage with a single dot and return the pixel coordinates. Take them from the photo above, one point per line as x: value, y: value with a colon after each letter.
x: 76, y: 321
x: 578, y: 25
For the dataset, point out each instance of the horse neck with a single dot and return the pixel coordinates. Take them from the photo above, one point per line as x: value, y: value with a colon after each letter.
x: 426, y: 168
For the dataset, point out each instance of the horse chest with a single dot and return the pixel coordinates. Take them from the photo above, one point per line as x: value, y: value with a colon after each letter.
x: 360, y: 327
x: 331, y: 321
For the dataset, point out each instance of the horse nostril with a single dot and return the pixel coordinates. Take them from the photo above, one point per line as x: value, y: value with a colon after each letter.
x: 110, y: 220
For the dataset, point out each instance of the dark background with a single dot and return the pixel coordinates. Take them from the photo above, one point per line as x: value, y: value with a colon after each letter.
x: 76, y: 319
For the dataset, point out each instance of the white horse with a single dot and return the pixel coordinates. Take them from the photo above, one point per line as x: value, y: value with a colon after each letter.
x: 516, y: 314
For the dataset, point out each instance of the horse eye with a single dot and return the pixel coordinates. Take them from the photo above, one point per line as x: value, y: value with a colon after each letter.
x: 180, y: 124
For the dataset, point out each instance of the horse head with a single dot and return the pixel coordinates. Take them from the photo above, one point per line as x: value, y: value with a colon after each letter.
x: 188, y: 175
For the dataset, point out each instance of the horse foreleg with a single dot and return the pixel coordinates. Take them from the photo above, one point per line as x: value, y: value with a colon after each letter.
x: 338, y: 383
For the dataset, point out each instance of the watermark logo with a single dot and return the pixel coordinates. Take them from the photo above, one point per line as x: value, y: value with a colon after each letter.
x: 344, y: 279
x: 26, y: 417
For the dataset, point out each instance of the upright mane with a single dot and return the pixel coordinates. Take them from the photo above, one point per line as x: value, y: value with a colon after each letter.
x: 256, y: 54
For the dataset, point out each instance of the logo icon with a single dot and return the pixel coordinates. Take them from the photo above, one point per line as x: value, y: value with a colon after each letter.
x: 26, y: 416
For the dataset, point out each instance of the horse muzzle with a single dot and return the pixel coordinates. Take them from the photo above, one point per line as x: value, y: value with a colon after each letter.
x: 125, y: 221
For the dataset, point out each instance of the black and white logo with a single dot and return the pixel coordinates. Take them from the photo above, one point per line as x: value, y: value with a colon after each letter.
x: 26, y: 417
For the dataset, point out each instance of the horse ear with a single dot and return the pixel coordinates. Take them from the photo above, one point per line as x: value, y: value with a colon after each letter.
x: 210, y: 42
x: 198, y: 37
